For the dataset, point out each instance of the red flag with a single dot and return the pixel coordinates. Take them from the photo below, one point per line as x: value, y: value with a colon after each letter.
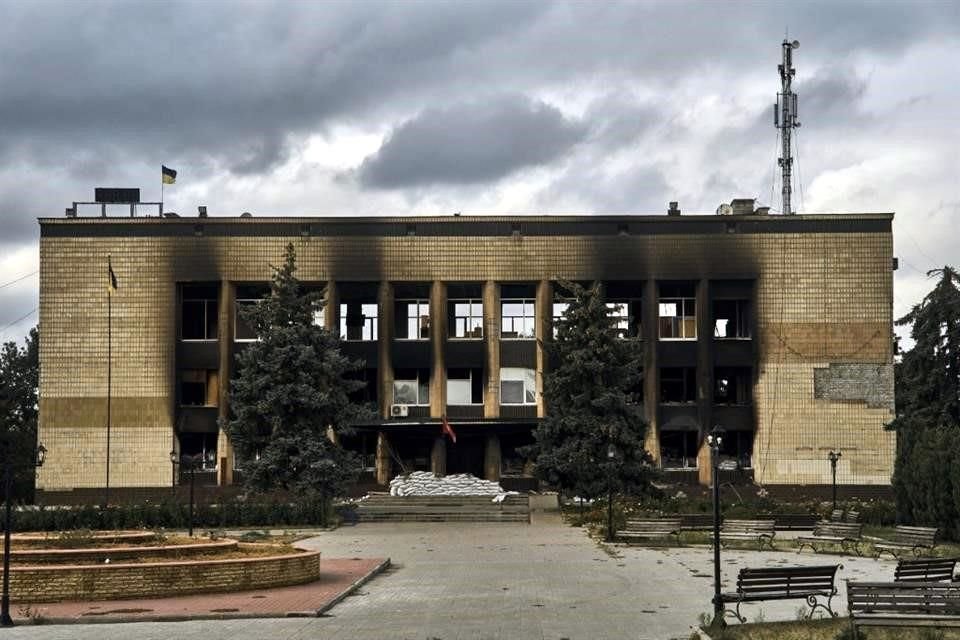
x: 448, y: 430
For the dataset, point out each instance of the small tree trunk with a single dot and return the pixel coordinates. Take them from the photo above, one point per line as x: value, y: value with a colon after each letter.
x: 323, y: 509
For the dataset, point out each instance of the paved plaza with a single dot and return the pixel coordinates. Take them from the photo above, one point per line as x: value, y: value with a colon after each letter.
x: 460, y: 581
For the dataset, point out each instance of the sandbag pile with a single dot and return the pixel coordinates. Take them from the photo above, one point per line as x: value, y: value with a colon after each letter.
x: 425, y: 483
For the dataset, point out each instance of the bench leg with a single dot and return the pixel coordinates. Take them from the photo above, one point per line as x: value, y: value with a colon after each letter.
x: 814, y: 603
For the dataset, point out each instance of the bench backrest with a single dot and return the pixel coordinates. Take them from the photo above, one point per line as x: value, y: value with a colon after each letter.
x: 905, y: 598
x: 836, y: 515
x: 920, y: 536
x: 793, y: 520
x: 839, y: 529
x: 852, y: 516
x: 926, y: 570
x: 653, y: 524
x: 787, y: 580
x: 748, y: 526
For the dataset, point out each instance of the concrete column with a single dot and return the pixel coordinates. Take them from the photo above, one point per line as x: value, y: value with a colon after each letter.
x: 225, y: 456
x: 544, y: 329
x: 438, y: 457
x: 384, y: 472
x: 491, y: 458
x: 438, y: 340
x: 491, y: 336
x: 704, y: 376
x: 651, y: 368
x: 385, y: 331
x: 331, y: 315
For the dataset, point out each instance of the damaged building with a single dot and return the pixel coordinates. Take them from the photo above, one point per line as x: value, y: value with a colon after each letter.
x: 777, y: 328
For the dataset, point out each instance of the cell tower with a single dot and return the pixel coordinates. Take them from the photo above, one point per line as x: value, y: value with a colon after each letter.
x: 785, y: 119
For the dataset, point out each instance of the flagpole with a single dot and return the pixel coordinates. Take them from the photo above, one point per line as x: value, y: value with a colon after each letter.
x: 106, y: 493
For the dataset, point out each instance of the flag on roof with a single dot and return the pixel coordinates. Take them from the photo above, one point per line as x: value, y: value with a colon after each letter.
x: 169, y: 175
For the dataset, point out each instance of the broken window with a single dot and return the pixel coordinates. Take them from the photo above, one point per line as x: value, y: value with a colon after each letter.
x: 413, y: 319
x: 517, y: 319
x: 678, y: 385
x: 247, y: 296
x: 411, y: 386
x: 358, y: 321
x: 736, y: 450
x: 198, y: 388
x: 368, y: 393
x: 678, y: 449
x: 677, y: 312
x: 467, y: 318
x: 732, y: 385
x: 731, y: 319
x: 626, y: 318
x: 558, y: 313
x: 202, y: 446
x: 199, y: 312
x: 518, y: 386
x: 464, y: 386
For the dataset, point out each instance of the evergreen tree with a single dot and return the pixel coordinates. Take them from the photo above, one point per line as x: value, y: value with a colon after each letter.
x: 291, y: 390
x: 591, y: 405
x: 19, y: 380
x: 927, y: 422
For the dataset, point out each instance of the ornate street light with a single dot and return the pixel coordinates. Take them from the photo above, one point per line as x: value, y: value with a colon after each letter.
x: 189, y: 463
x: 834, y: 457
x: 714, y: 439
x: 611, y: 456
x: 39, y: 456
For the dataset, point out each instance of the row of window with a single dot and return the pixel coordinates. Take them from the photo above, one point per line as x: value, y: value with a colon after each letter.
x: 678, y: 385
x: 465, y: 386
x: 358, y: 320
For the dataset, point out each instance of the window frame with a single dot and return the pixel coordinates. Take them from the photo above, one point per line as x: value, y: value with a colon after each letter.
x: 369, y: 326
x: 525, y: 379
x: 469, y: 319
x: 470, y: 381
x: 680, y: 318
x: 237, y: 304
x: 740, y: 317
x: 524, y: 303
x: 419, y: 303
x: 418, y: 384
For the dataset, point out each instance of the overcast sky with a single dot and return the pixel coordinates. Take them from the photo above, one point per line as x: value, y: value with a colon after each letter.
x: 368, y: 108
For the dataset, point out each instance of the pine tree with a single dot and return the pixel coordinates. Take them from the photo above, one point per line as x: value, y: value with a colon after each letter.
x: 927, y: 422
x: 19, y: 379
x: 291, y: 389
x: 590, y: 404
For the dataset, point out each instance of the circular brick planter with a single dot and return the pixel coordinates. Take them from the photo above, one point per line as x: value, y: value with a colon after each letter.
x: 129, y: 537
x: 113, y: 554
x: 161, y: 579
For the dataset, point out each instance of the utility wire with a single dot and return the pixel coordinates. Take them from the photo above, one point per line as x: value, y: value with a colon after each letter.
x: 7, y: 284
x: 21, y: 318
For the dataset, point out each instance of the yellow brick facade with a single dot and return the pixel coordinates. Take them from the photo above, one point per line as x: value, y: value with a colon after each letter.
x: 821, y: 298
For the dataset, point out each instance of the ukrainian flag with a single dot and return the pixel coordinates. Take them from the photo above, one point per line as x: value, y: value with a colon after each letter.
x: 169, y: 175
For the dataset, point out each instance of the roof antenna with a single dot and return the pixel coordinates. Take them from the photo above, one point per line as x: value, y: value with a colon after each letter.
x: 785, y: 119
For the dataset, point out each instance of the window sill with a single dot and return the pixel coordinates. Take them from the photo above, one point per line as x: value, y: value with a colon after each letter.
x: 198, y: 339
x: 410, y: 340
x: 732, y: 339
x: 693, y: 339
x: 464, y: 339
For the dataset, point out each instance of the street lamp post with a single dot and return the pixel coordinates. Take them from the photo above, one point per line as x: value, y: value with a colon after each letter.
x: 834, y: 457
x: 714, y: 439
x: 190, y: 464
x: 611, y: 454
x: 5, y: 619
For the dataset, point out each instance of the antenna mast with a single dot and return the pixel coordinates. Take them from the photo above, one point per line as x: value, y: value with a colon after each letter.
x: 785, y: 119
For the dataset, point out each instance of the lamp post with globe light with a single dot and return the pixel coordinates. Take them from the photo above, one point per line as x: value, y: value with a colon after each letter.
x: 39, y: 456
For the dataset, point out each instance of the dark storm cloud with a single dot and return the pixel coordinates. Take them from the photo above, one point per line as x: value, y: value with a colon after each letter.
x: 470, y: 143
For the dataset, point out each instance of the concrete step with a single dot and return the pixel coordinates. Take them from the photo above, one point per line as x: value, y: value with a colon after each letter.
x: 382, y: 508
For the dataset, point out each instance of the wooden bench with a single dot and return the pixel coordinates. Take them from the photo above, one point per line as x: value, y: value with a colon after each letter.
x: 836, y: 516
x: 696, y: 521
x: 903, y: 604
x: 784, y: 583
x: 761, y: 531
x: 913, y: 539
x: 783, y: 521
x: 925, y: 570
x: 846, y: 534
x: 644, y: 528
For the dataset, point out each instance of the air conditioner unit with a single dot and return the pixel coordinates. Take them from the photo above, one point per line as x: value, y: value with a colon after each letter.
x: 399, y: 411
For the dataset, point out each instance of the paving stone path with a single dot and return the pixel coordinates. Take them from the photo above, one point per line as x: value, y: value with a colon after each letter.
x: 490, y: 581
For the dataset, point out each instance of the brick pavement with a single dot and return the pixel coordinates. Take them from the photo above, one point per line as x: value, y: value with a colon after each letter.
x: 337, y: 577
x: 488, y: 581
